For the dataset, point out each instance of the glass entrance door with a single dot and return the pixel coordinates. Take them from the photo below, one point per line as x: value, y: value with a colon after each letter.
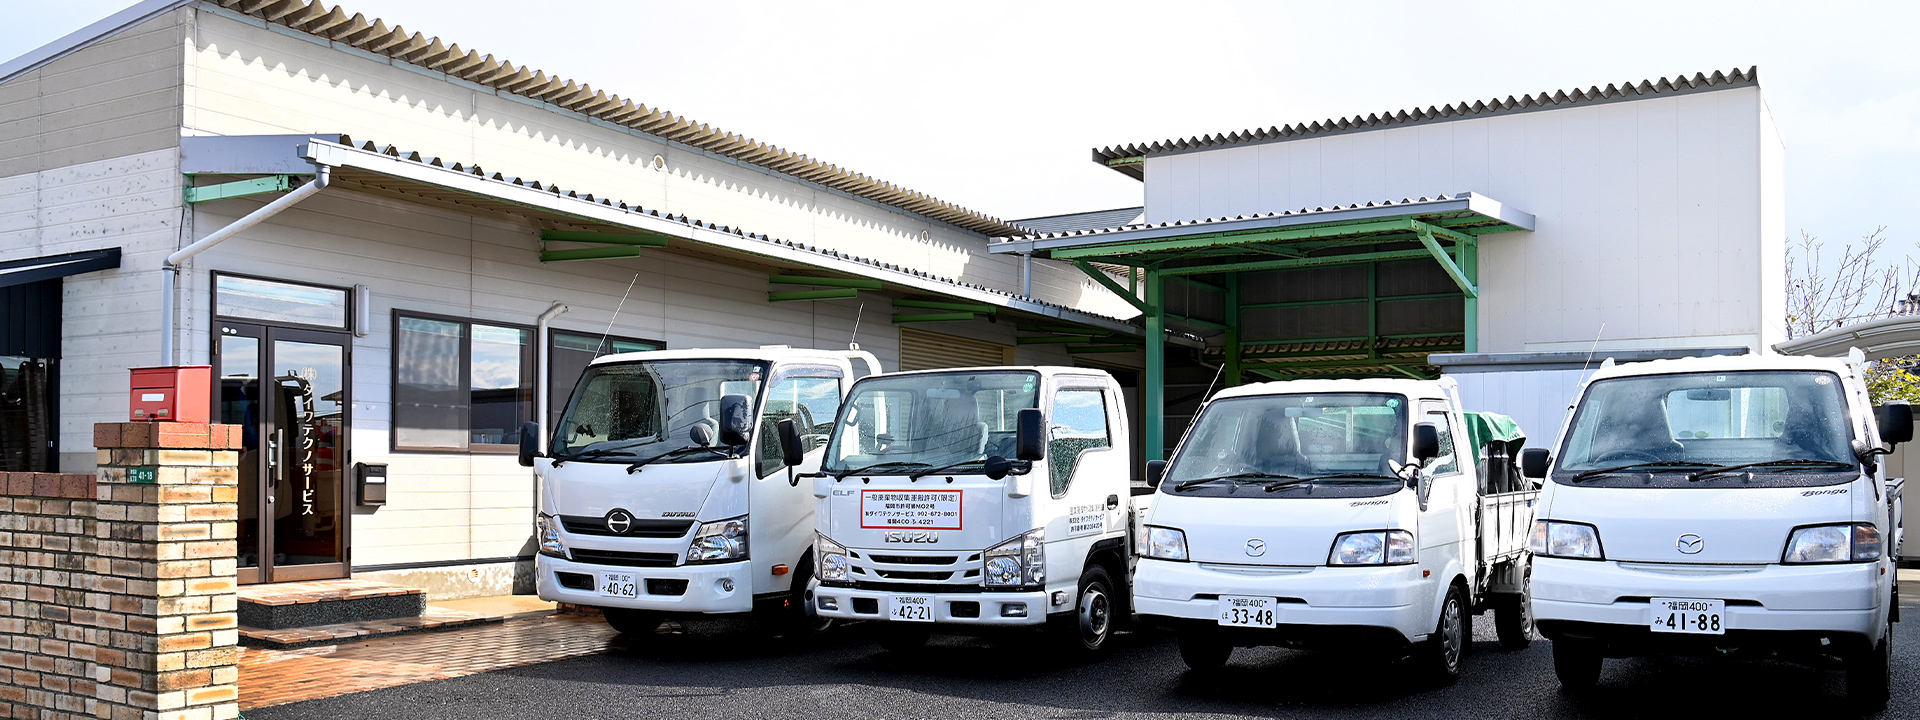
x: 288, y: 390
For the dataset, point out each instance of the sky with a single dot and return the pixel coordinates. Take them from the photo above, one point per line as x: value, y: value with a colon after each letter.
x: 995, y: 105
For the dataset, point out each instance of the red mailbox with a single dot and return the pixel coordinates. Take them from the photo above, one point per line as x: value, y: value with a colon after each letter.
x: 173, y: 394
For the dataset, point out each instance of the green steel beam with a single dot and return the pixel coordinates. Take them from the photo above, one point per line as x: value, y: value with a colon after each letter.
x: 599, y: 253
x: 1353, y: 258
x: 1233, y: 368
x: 1110, y: 284
x: 1194, y: 242
x: 1446, y: 263
x: 1085, y: 349
x: 1470, y: 266
x: 1062, y: 329
x: 859, y: 284
x: 949, y: 306
x: 601, y: 237
x: 1337, y: 364
x: 933, y: 317
x: 1153, y: 391
x: 1409, y: 373
x: 1442, y: 232
x: 1064, y: 339
x: 240, y: 188
x: 833, y: 294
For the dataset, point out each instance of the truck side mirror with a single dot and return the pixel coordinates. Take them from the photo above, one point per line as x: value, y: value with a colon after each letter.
x: 1156, y: 469
x: 996, y: 467
x: 1534, y: 461
x: 529, y: 443
x: 1895, y: 421
x: 792, y: 451
x: 1030, y: 436
x: 1426, y: 442
x: 736, y: 419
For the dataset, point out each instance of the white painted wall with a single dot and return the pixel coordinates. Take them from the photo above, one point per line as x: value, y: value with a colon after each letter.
x: 1538, y: 400
x: 1662, y: 218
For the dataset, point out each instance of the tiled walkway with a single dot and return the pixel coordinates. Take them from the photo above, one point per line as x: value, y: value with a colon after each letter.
x: 275, y: 677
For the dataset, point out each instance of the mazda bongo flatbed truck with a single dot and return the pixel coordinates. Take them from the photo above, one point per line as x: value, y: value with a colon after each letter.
x: 960, y: 501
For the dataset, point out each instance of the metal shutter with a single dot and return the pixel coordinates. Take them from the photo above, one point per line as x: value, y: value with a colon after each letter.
x: 922, y: 350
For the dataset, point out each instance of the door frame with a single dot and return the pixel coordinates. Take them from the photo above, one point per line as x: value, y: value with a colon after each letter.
x: 267, y: 334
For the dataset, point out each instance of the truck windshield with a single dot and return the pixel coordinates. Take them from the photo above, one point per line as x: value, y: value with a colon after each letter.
x: 1276, y: 439
x: 1666, y: 428
x: 913, y: 422
x: 628, y: 412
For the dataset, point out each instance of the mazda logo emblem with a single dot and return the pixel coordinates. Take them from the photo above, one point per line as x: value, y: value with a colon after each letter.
x: 1691, y: 544
x: 1256, y: 547
x: 618, y: 521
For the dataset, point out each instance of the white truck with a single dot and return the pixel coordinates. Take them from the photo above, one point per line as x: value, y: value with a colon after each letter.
x: 956, y: 501
x: 671, y: 486
x: 1366, y: 513
x: 1720, y: 505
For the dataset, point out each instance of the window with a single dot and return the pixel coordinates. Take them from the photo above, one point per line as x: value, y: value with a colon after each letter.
x: 568, y: 354
x: 812, y: 403
x: 460, y: 385
x: 1445, y: 463
x: 1079, y: 424
x: 273, y: 301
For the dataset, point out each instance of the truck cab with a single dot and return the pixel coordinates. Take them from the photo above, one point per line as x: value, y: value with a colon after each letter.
x: 671, y: 485
x: 1350, y: 514
x: 957, y: 501
x: 1721, y: 505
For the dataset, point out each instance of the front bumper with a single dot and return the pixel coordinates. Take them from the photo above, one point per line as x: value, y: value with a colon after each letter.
x: 1317, y: 605
x: 977, y: 609
x: 1767, y: 606
x: 701, y: 587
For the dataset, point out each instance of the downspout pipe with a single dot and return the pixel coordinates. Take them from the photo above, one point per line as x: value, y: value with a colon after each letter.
x: 541, y: 400
x: 170, y: 268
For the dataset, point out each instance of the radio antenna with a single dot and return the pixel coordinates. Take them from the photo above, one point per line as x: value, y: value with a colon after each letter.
x: 851, y: 345
x: 1590, y: 350
x: 597, y: 351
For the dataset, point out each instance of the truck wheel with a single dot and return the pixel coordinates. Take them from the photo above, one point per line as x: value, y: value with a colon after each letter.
x: 1203, y: 651
x: 632, y: 623
x: 1448, y: 646
x: 803, y: 616
x: 903, y: 640
x: 1868, y: 676
x: 1513, y: 619
x: 1085, y: 630
x: 1577, y: 665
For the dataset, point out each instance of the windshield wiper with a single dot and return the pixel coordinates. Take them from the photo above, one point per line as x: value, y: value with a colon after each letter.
x: 1671, y: 464
x: 677, y: 452
x: 890, y: 463
x: 1788, y: 462
x: 1235, y: 476
x: 1356, y: 475
x: 600, y: 452
x: 917, y: 474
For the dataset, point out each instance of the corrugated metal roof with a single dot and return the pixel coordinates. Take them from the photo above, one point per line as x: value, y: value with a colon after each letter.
x: 1126, y: 158
x: 374, y: 35
x: 1462, y: 211
x: 1082, y: 221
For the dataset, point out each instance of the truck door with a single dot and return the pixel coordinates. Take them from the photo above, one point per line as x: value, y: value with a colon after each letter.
x: 1446, y: 530
x: 782, y: 522
x: 1087, y: 475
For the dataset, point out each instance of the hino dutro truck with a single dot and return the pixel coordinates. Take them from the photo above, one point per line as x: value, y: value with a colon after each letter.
x: 671, y: 486
x: 956, y: 501
x: 1723, y: 505
x: 1357, y: 515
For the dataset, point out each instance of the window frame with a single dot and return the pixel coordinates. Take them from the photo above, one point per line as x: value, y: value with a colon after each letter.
x: 529, y: 369
x: 804, y: 372
x: 213, y: 291
x: 1450, y: 439
x: 1106, y: 419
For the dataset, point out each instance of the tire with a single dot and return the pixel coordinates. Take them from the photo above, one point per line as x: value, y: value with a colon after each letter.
x: 1446, y: 651
x: 801, y: 618
x: 1085, y: 631
x: 1577, y: 665
x: 903, y: 640
x: 1513, y: 618
x: 1202, y: 651
x: 1869, y: 678
x: 632, y: 623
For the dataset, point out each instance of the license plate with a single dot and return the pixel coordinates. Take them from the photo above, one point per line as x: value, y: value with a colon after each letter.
x: 1244, y: 611
x: 622, y: 585
x: 1689, y: 615
x: 911, y: 608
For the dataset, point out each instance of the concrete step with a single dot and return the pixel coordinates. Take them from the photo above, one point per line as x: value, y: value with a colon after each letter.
x: 441, y: 615
x: 281, y: 606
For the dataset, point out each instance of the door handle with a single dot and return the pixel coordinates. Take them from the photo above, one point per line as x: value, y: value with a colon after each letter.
x: 1113, y: 501
x: 273, y: 463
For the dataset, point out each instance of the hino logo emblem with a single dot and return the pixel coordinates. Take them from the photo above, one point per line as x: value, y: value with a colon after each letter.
x: 1256, y: 547
x: 1691, y: 544
x: 618, y: 521
x: 917, y: 536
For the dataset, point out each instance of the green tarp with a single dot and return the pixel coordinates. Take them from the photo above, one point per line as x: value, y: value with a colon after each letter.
x: 1484, y: 427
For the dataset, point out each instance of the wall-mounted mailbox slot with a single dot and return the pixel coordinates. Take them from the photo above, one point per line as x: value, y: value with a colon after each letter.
x: 171, y: 394
x: 372, y: 481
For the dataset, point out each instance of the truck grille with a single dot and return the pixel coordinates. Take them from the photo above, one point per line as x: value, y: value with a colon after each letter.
x: 625, y: 559
x: 913, y: 575
x: 640, y: 528
x: 914, y: 559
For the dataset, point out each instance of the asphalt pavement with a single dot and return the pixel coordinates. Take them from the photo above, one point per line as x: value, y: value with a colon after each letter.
x: 843, y: 674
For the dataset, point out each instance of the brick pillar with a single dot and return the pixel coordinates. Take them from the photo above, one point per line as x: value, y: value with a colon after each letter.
x: 46, y: 536
x: 164, y: 591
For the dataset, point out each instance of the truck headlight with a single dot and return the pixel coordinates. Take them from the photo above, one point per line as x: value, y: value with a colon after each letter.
x: 1021, y: 560
x: 831, y: 561
x: 1373, y: 547
x: 1833, y: 543
x: 1166, y: 543
x: 1577, y: 541
x: 549, y: 532
x: 723, y: 541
